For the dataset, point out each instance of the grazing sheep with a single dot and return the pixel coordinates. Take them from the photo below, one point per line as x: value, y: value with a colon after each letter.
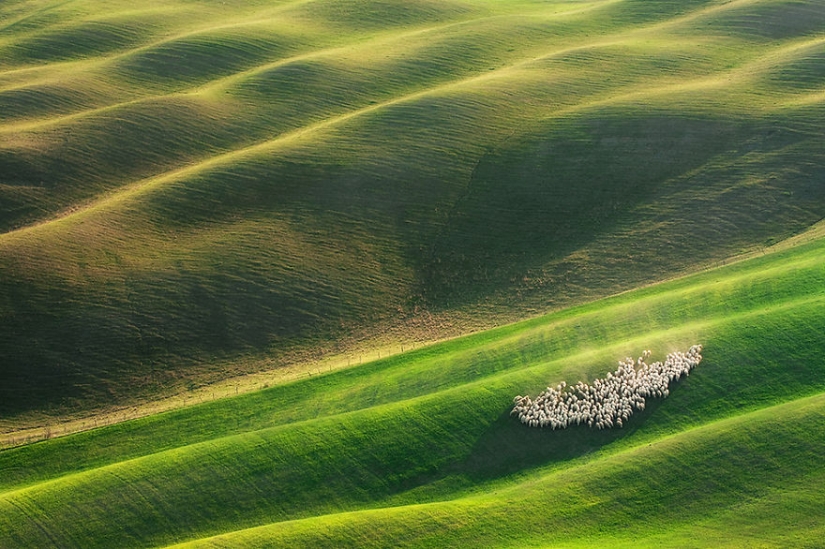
x: 609, y: 401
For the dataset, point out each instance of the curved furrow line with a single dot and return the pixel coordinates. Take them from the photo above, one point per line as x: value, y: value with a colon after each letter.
x: 369, y: 42
x: 806, y: 100
x: 146, y: 185
x: 257, y: 18
x: 383, y: 38
x: 32, y: 14
x: 714, y: 9
x: 265, y: 145
x: 386, y: 38
x: 222, y: 82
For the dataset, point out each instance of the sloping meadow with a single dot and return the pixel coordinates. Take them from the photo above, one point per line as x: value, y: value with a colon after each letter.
x: 191, y: 190
x: 191, y: 184
x: 433, y: 427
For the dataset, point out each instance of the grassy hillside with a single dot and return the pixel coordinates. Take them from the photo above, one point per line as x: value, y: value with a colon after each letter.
x: 420, y: 450
x: 195, y: 190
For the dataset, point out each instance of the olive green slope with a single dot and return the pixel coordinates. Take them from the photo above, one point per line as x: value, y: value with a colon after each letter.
x: 420, y: 450
x: 189, y: 187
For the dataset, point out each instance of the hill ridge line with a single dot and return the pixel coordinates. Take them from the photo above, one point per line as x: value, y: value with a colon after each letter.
x: 382, y: 37
x: 542, y: 323
x: 255, y: 19
x: 91, y: 62
x: 139, y: 187
x: 219, y: 83
x: 513, y: 331
x: 134, y: 188
x: 807, y: 239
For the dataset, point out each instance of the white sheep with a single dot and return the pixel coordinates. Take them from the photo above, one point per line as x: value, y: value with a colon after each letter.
x: 609, y: 401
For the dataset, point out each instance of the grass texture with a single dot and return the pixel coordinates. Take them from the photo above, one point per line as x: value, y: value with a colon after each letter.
x: 419, y: 449
x: 196, y: 190
x: 246, y: 184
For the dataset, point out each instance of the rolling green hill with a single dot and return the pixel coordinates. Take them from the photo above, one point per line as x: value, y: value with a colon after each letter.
x: 192, y: 191
x: 196, y: 190
x: 420, y: 449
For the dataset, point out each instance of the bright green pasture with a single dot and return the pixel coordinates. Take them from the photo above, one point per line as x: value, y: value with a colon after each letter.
x: 754, y: 480
x: 420, y: 448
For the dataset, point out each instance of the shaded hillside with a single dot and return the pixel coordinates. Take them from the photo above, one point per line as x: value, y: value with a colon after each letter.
x: 420, y: 450
x: 186, y: 185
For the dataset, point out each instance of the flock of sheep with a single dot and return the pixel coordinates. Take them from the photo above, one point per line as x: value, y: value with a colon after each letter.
x: 608, y: 402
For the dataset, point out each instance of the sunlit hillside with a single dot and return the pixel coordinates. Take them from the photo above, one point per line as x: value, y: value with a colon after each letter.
x: 420, y: 450
x: 196, y: 190
x: 240, y: 239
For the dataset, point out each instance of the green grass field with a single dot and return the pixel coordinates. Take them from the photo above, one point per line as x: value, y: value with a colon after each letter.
x: 195, y: 191
x: 420, y: 450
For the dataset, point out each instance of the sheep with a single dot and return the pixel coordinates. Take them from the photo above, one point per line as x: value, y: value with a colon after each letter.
x: 610, y: 401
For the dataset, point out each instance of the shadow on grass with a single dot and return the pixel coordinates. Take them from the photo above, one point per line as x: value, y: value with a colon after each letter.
x: 508, y: 447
